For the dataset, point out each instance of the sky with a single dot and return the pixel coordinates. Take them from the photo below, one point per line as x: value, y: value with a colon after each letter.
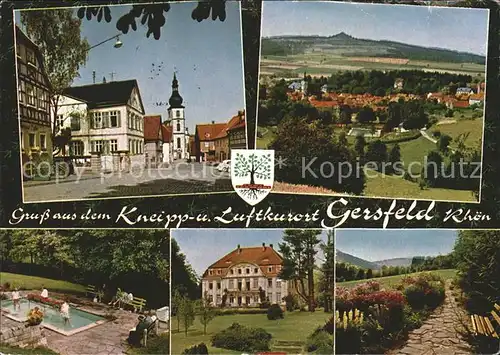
x: 450, y: 28
x: 204, y: 247
x: 207, y: 56
x: 375, y: 245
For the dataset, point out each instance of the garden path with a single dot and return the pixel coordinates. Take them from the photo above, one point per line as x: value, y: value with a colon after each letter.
x: 440, y: 333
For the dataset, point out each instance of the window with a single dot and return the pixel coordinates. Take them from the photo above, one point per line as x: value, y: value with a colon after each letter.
x: 256, y: 271
x: 75, y: 123
x: 210, y: 286
x: 270, y: 269
x: 43, y: 142
x: 278, y: 283
x: 210, y: 272
x: 114, y: 119
x: 219, y: 299
x: 255, y: 283
x: 231, y: 299
x: 30, y: 91
x: 30, y: 56
x: 77, y: 148
x: 178, y: 126
x: 278, y: 297
x: 218, y: 285
x: 97, y: 120
x: 177, y: 113
x: 22, y: 91
x: 231, y: 284
x: 59, y: 121
x: 97, y: 146
x: 113, y: 145
x: 219, y: 272
x: 178, y: 143
x: 31, y: 138
x: 239, y: 271
x: 232, y: 272
x: 247, y: 271
x: 269, y: 282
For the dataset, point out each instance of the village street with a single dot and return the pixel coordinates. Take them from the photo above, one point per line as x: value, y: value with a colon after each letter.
x: 180, y: 178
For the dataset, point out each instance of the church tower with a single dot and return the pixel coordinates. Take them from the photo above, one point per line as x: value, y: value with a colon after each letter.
x: 177, y: 119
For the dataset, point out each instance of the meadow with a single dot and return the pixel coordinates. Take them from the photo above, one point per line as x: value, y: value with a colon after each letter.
x: 392, y: 281
x: 288, y: 333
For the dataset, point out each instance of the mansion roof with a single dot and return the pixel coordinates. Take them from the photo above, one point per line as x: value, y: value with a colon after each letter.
x: 261, y: 256
x: 114, y: 93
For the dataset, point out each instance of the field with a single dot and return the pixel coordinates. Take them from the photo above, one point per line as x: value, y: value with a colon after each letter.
x: 472, y: 126
x: 326, y: 63
x: 413, y: 153
x: 268, y: 135
x: 379, y: 185
x: 35, y: 283
x: 293, y: 329
x: 391, y: 281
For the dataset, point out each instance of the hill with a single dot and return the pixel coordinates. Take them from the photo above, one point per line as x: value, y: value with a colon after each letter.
x: 394, y: 262
x: 353, y: 260
x: 343, y: 44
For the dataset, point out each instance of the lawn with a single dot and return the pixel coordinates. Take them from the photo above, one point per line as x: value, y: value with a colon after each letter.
x: 268, y: 136
x: 296, y: 326
x: 5, y: 349
x: 379, y: 185
x: 413, y: 153
x: 35, y: 283
x: 472, y: 126
x: 391, y: 281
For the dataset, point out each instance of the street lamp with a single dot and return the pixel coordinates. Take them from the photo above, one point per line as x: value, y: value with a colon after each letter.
x: 117, y: 44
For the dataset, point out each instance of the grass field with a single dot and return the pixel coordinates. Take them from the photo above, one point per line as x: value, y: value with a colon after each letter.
x: 268, y: 135
x: 329, y: 62
x: 391, y: 281
x: 472, y: 126
x: 35, y: 283
x: 295, y: 327
x: 413, y: 153
x: 379, y: 185
x: 5, y: 349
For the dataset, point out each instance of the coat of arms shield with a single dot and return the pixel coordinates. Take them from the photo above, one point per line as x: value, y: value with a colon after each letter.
x: 252, y: 173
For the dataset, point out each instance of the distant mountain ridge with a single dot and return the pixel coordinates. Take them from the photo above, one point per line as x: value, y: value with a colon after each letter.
x: 346, y: 45
x: 374, y: 265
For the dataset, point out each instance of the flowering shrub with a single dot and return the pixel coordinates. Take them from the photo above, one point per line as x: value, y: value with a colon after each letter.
x: 423, y: 290
x: 35, y: 316
x: 48, y: 301
x: 366, y: 288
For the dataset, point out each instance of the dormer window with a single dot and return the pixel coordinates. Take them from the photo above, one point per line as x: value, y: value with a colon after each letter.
x: 248, y: 271
x: 210, y: 272
x: 232, y: 272
x: 270, y: 269
x: 239, y: 271
x: 218, y: 272
x: 256, y: 271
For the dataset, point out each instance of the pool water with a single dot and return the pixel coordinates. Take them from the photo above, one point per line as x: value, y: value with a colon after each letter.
x: 52, y: 316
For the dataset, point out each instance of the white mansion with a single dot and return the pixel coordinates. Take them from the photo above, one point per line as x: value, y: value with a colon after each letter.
x: 105, y: 119
x: 242, y: 275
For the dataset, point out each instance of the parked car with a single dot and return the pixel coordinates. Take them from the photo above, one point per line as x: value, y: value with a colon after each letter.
x: 224, y: 166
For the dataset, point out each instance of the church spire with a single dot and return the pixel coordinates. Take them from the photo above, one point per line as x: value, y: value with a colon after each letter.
x: 175, y: 100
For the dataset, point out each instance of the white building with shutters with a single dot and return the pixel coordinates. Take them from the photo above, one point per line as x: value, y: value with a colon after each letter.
x: 105, y: 119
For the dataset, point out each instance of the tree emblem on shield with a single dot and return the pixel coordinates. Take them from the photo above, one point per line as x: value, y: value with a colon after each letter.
x: 252, y: 173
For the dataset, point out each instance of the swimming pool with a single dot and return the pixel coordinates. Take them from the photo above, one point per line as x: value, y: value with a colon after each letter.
x: 79, y: 320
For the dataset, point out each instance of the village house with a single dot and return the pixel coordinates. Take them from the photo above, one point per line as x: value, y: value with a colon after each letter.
x: 153, y: 141
x: 464, y: 91
x: 34, y: 96
x: 242, y: 275
x: 399, y: 84
x: 237, y: 132
x: 476, y: 99
x: 205, y: 137
x: 106, y: 120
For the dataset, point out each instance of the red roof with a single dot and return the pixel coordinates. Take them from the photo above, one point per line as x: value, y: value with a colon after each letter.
x: 152, y: 128
x: 208, y: 132
x: 461, y: 104
x: 324, y: 104
x: 167, y: 133
x: 261, y: 256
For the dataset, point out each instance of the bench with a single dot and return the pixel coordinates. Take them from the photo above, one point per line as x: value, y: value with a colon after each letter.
x: 152, y: 329
x: 137, y: 303
x: 90, y: 290
x: 484, y: 325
